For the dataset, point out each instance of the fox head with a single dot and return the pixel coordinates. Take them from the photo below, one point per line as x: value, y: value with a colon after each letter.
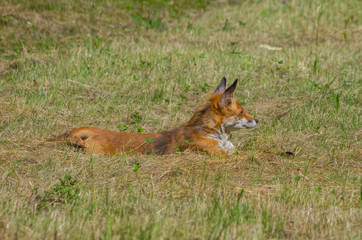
x: 234, y: 116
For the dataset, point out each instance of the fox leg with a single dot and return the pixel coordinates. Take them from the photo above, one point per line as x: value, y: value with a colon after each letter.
x: 210, y: 146
x: 87, y: 140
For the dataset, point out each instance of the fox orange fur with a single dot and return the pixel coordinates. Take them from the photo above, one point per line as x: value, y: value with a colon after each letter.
x: 208, y: 130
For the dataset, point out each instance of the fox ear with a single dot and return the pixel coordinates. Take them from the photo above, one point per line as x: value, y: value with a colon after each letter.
x: 227, y: 96
x: 222, y: 86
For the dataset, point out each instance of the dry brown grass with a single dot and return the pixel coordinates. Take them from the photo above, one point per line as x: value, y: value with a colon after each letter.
x: 79, y: 63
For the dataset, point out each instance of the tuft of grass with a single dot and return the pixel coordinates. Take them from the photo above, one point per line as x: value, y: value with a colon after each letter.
x: 144, y: 66
x: 65, y: 191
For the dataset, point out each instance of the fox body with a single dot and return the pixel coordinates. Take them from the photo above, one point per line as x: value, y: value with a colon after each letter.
x: 208, y: 130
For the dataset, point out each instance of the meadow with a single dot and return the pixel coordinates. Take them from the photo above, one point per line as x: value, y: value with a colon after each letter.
x: 145, y: 66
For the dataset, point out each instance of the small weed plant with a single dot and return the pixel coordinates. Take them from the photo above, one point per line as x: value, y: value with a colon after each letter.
x: 64, y: 192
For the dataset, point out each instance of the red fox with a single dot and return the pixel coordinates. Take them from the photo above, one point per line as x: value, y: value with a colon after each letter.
x: 208, y: 130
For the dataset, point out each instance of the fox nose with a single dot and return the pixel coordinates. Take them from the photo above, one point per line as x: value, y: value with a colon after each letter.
x: 256, y: 120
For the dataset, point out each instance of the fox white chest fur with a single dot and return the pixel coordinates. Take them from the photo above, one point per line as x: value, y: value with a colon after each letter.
x: 233, y: 124
x: 222, y: 137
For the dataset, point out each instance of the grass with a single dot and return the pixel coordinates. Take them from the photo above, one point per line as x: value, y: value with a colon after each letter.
x: 145, y: 66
